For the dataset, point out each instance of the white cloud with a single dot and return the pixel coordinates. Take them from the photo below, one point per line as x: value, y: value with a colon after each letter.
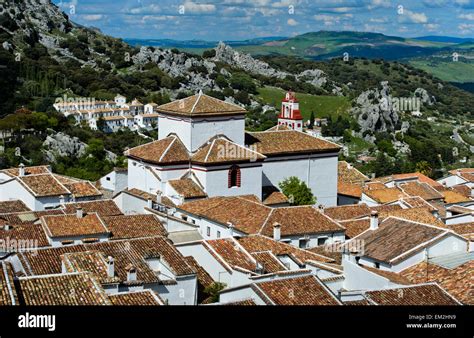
x: 469, y: 16
x: 292, y: 22
x: 92, y: 17
x: 412, y: 17
x: 466, y: 28
x: 195, y: 8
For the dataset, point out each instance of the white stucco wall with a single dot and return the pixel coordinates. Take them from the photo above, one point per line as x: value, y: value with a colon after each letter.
x: 318, y: 171
x: 195, y: 132
x: 215, y: 180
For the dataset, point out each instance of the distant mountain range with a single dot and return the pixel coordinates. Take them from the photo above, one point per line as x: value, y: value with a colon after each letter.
x: 430, y: 53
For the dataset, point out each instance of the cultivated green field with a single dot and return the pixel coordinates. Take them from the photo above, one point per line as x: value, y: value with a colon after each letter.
x: 321, y: 105
x: 446, y: 69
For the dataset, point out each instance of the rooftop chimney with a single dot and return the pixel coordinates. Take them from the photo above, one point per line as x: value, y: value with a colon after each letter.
x: 110, y: 267
x: 158, y: 197
x: 231, y: 229
x: 149, y: 203
x: 321, y: 208
x: 62, y: 199
x: 131, y: 273
x: 6, y: 227
x: 276, y: 231
x: 374, y: 220
x: 79, y: 212
x: 21, y: 170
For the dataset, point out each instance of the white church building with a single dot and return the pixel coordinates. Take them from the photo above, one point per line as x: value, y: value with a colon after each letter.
x: 204, y: 150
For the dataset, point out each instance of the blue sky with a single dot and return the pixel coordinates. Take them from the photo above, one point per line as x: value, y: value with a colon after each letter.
x: 243, y: 19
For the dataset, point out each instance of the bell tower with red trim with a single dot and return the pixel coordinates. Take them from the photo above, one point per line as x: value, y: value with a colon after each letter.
x: 290, y: 115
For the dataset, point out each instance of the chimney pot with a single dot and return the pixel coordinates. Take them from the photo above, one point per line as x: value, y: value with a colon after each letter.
x: 150, y: 203
x: 110, y: 267
x: 21, y: 170
x: 231, y: 228
x: 158, y: 197
x: 6, y: 227
x: 374, y: 220
x: 131, y: 273
x: 276, y: 231
x: 79, y: 212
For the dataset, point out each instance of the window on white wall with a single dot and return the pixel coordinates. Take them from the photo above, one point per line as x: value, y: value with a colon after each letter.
x: 208, y: 231
x: 322, y: 240
x: 218, y: 234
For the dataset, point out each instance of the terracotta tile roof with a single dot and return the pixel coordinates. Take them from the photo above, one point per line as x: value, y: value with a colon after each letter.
x: 385, y: 195
x: 200, y: 105
x: 43, y: 185
x: 374, y: 185
x: 452, y: 196
x: 202, y: 275
x: 306, y: 290
x: 328, y: 251
x: 424, y: 190
x: 346, y: 212
x: 269, y: 263
x: 28, y: 217
x: 134, y: 226
x: 146, y: 196
x: 136, y: 298
x: 417, y: 176
x: 8, y: 295
x: 125, y: 253
x: 299, y: 221
x: 273, y: 143
x: 71, y: 225
x: 457, y: 281
x: 278, y: 127
x: 348, y: 174
x: 424, y: 294
x: 275, y: 197
x: 187, y: 188
x: 101, y: 207
x: 29, y: 235
x: 222, y: 150
x: 391, y: 276
x: 468, y: 176
x: 82, y: 189
x: 421, y: 215
x: 464, y: 229
x: 229, y: 209
x: 417, y: 201
x: 243, y: 302
x: 459, y: 209
x: 349, y: 189
x: 65, y: 289
x: 42, y: 169
x: 13, y: 206
x: 395, y: 237
x: 89, y: 261
x: 361, y: 302
x: 462, y: 189
x: 229, y: 251
x: 259, y: 243
x: 354, y: 227
x: 169, y: 150
x: 259, y: 218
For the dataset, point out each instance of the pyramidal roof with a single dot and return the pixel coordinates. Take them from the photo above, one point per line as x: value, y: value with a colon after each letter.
x: 200, y: 105
x: 221, y: 150
x: 168, y: 150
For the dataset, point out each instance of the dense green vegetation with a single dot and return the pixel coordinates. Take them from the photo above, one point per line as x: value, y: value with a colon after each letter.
x: 297, y: 191
x: 320, y: 105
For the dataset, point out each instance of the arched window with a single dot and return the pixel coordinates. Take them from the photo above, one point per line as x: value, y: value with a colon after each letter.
x: 234, y: 176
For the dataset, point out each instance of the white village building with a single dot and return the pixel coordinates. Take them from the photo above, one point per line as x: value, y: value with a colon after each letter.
x: 204, y: 150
